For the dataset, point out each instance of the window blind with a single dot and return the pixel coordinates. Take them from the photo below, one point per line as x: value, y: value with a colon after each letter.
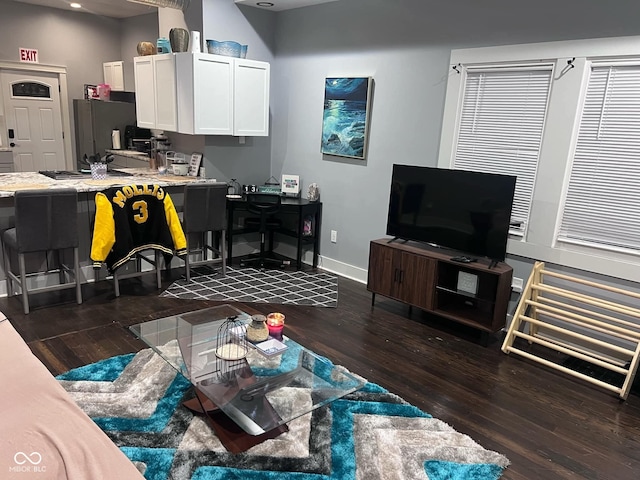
x: 602, y: 205
x: 501, y: 125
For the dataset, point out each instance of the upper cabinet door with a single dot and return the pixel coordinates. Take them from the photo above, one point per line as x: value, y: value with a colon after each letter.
x: 165, y: 92
x: 145, y: 91
x: 114, y: 75
x: 118, y: 76
x: 251, y: 98
x: 205, y: 94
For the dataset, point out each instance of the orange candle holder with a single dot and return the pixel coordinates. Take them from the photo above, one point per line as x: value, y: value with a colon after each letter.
x: 275, y: 324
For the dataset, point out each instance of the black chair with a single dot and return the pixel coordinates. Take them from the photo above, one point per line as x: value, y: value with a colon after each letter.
x: 204, y: 215
x: 45, y: 221
x: 266, y: 206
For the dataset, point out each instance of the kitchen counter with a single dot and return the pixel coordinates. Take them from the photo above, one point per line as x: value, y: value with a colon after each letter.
x: 12, y: 182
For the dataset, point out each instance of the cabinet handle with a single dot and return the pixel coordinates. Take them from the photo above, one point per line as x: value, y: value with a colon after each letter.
x: 401, y: 275
x: 395, y: 275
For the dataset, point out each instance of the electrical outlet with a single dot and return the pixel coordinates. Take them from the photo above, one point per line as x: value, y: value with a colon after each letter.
x: 516, y: 284
x: 334, y: 236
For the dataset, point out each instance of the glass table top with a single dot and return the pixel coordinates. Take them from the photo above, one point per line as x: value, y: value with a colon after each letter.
x: 259, y: 392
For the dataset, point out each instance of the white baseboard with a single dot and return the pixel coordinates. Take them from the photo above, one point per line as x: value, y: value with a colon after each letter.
x: 343, y: 269
x: 325, y: 263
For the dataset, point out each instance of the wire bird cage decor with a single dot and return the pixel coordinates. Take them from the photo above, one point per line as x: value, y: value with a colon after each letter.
x: 231, y: 344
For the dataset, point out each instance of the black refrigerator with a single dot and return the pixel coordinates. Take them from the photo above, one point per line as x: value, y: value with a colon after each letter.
x: 94, y: 122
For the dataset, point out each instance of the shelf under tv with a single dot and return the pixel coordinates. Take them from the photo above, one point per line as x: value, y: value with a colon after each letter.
x: 425, y: 277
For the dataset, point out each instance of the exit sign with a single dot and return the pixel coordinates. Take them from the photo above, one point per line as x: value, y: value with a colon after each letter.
x: 29, y: 55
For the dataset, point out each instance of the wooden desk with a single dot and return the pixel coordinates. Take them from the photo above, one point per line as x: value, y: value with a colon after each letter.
x: 298, y: 208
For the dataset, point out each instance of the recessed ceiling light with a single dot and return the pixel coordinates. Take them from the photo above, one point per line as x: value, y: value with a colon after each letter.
x: 264, y: 4
x: 75, y: 5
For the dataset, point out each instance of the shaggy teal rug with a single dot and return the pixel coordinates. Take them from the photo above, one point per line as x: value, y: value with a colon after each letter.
x: 370, y: 434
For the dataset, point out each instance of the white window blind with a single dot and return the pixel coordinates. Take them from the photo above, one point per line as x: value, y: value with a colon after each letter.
x: 501, y: 125
x: 602, y: 206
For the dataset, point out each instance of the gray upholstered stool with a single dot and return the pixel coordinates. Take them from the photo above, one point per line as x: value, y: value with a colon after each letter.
x: 205, y: 210
x: 45, y: 221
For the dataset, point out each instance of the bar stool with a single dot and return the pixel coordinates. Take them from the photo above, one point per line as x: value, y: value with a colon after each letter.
x: 45, y: 221
x: 205, y: 210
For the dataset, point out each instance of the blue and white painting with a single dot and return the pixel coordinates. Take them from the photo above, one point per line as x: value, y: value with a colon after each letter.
x: 346, y: 116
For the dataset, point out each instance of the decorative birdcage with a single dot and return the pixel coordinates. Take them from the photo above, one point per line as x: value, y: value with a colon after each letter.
x: 231, y: 345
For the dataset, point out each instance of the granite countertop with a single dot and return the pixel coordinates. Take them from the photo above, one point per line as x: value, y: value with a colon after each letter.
x: 129, y: 153
x: 12, y: 182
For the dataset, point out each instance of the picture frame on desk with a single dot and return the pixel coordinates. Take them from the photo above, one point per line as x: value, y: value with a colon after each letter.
x: 291, y: 185
x: 194, y: 164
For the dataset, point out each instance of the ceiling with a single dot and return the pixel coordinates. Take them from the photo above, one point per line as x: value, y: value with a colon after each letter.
x: 125, y: 9
x: 279, y: 5
x: 106, y: 8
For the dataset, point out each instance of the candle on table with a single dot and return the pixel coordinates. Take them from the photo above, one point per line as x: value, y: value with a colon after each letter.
x: 275, y: 324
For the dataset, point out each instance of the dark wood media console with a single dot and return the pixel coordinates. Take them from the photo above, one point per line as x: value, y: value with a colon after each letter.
x: 425, y: 277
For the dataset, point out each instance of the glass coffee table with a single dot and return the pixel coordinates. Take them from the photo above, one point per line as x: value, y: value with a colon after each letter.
x: 245, y: 395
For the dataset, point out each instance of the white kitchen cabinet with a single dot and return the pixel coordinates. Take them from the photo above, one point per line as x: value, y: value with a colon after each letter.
x: 214, y: 94
x: 155, y: 80
x: 114, y: 75
x: 205, y: 93
x: 251, y: 98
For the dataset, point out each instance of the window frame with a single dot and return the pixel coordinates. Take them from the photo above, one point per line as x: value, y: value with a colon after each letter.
x: 572, y: 61
x: 517, y: 231
x: 577, y: 243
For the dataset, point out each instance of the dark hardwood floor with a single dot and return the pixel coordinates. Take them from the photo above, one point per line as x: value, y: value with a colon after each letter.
x: 549, y: 425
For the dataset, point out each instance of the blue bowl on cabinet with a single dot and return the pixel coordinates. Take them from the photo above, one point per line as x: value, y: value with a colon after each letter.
x: 226, y: 48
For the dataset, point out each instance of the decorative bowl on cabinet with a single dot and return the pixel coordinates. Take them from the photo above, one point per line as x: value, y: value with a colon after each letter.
x: 146, y: 48
x: 227, y: 48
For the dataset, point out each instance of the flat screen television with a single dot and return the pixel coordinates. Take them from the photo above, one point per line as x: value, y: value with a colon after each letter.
x: 465, y: 211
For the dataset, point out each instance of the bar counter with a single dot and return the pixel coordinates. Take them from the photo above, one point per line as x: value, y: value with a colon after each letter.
x: 10, y: 183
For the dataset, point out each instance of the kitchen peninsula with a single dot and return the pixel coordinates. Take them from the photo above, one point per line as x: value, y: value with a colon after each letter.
x: 87, y: 187
x: 12, y: 182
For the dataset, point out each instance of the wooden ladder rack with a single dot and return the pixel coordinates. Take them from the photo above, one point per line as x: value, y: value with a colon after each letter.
x: 586, y: 326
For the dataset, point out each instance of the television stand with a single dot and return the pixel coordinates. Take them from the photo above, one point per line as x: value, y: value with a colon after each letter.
x: 427, y: 278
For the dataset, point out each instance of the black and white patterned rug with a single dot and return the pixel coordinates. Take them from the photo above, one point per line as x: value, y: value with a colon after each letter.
x: 252, y: 285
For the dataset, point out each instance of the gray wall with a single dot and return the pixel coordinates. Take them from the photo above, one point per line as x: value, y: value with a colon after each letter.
x: 142, y: 28
x: 405, y: 46
x: 78, y: 41
x: 227, y: 157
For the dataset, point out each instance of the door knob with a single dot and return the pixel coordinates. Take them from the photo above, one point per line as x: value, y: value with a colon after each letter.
x: 12, y: 144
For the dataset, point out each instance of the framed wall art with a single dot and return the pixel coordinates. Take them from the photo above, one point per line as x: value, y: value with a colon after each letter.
x: 345, y: 121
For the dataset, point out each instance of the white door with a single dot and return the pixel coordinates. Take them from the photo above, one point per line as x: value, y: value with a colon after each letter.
x: 33, y: 119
